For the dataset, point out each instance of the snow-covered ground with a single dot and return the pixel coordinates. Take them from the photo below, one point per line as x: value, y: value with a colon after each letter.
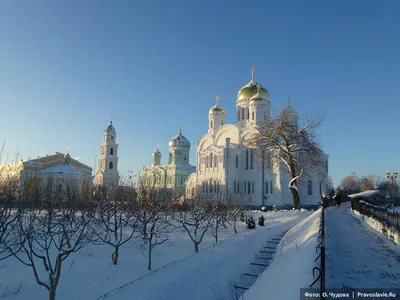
x: 291, y: 268
x: 89, y: 274
x: 357, y: 256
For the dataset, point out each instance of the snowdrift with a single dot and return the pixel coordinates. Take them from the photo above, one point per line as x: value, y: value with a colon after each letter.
x: 291, y: 269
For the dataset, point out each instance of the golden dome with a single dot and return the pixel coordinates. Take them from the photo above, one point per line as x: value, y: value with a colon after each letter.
x: 258, y: 98
x: 252, y: 88
x: 216, y: 109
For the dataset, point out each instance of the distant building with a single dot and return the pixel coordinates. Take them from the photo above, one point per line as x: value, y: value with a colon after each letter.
x: 174, y: 174
x: 58, y: 172
x: 107, y: 174
x: 226, y: 165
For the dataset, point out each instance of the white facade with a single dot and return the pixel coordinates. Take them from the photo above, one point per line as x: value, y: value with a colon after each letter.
x: 107, y: 173
x: 174, y: 174
x: 224, y: 164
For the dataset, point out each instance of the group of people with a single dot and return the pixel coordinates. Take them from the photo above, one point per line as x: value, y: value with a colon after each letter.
x: 337, y: 199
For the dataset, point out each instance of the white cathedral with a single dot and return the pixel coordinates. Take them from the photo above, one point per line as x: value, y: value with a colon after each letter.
x: 225, y: 164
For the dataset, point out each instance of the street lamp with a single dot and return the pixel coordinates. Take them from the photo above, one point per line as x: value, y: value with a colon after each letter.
x: 392, y: 179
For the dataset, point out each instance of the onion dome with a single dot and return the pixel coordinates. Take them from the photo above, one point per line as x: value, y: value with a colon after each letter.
x: 217, y: 109
x: 290, y: 114
x: 157, y: 152
x: 252, y: 88
x: 179, y: 140
x: 258, y: 98
x: 110, y: 128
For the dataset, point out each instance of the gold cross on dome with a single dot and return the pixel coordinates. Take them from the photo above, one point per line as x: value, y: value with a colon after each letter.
x: 289, y: 100
x: 180, y: 128
x: 217, y: 98
x: 68, y: 148
x: 253, y: 72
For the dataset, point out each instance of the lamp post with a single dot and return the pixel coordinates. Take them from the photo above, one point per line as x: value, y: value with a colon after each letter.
x: 392, y: 179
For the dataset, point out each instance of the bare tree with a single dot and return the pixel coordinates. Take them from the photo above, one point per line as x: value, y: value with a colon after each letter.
x: 234, y: 211
x: 351, y: 184
x: 290, y: 145
x: 219, y: 218
x: 48, y: 235
x: 152, y: 215
x: 196, y: 220
x: 115, y: 222
x: 367, y: 183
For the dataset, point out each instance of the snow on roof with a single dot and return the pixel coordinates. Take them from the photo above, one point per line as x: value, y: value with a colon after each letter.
x: 364, y: 194
x: 66, y: 169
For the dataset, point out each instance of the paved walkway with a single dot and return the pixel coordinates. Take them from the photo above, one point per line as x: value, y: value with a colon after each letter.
x: 357, y: 256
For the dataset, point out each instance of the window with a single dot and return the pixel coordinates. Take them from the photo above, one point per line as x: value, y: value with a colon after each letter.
x: 211, y: 160
x: 252, y: 115
x: 206, y: 158
x: 112, y: 137
x: 252, y: 187
x: 265, y: 116
x: 181, y: 180
x: 238, y: 187
x: 247, y: 159
x: 251, y: 158
x: 211, y: 186
x: 210, y: 124
x: 245, y: 183
x: 110, y: 165
x: 243, y: 113
x: 111, y: 151
x: 326, y: 166
x: 266, y: 187
x: 238, y: 114
x: 237, y: 161
x: 234, y: 187
x: 309, y: 187
x: 320, y: 187
x: 248, y: 188
x: 185, y: 156
x: 271, y: 189
x: 222, y: 123
x: 248, y: 114
x: 215, y: 161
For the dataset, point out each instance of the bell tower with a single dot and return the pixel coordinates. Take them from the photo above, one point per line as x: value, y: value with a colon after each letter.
x: 107, y: 174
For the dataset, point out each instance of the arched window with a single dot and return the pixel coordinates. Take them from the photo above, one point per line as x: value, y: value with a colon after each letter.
x: 215, y: 161
x: 244, y: 187
x: 185, y: 156
x: 266, y: 188
x: 181, y: 180
x: 111, y: 151
x: 249, y: 188
x: 238, y: 114
x: 247, y: 159
x: 252, y: 115
x: 309, y: 187
x: 211, y: 160
x: 265, y: 116
x: 252, y: 187
x: 242, y: 113
x: 248, y: 114
x: 271, y: 189
x: 210, y: 124
x: 110, y: 165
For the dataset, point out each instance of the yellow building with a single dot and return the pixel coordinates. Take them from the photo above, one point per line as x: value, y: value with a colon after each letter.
x: 48, y: 173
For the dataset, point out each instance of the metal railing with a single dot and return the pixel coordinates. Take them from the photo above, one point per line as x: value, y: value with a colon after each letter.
x: 388, y: 217
x: 321, y: 256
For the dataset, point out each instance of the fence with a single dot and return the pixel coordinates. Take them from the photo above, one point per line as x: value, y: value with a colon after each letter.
x: 388, y: 217
x: 321, y: 256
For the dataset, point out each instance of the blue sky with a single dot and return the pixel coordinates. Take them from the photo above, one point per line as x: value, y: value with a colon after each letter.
x: 66, y: 67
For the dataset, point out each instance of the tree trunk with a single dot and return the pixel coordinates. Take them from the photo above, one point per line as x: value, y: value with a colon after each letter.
x: 149, y: 261
x: 296, y: 198
x: 52, y: 291
x: 196, y: 247
x: 115, y: 255
x: 234, y: 227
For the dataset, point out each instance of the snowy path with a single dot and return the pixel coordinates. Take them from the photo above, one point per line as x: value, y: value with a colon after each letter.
x: 356, y: 255
x: 206, y: 274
